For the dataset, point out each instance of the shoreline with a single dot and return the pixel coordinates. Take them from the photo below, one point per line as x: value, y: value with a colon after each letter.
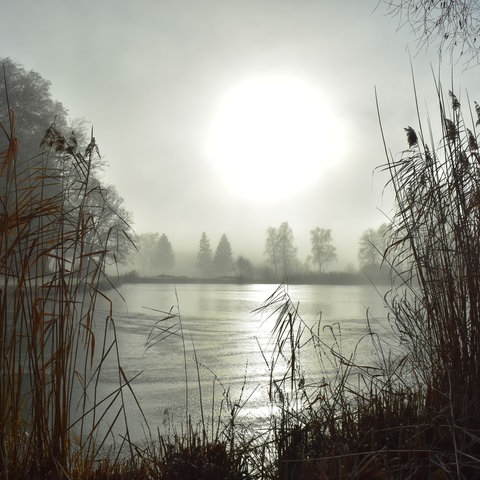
x: 331, y: 278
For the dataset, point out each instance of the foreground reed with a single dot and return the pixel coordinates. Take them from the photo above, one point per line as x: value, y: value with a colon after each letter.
x: 435, y: 250
x: 414, y: 414
x: 52, y: 258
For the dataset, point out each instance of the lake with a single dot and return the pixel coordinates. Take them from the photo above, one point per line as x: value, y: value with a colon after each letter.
x: 217, y: 345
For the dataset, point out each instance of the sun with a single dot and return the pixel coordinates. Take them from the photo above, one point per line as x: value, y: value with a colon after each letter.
x: 272, y: 136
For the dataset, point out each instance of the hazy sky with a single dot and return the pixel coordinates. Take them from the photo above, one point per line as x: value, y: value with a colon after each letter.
x: 153, y: 75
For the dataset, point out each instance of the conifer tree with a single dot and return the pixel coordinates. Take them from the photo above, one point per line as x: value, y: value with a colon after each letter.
x: 204, y: 257
x: 223, y: 259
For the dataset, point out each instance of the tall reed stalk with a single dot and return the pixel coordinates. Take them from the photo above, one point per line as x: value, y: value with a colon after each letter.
x: 437, y: 230
x: 415, y: 415
x: 436, y: 256
x: 52, y: 258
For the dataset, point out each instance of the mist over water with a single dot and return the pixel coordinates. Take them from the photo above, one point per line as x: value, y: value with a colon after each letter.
x: 230, y: 345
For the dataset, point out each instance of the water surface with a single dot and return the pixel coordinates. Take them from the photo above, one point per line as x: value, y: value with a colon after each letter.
x: 217, y: 344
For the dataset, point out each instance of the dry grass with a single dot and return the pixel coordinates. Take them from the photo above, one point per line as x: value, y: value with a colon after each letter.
x: 57, y: 233
x: 436, y: 232
x: 52, y: 259
x: 415, y: 415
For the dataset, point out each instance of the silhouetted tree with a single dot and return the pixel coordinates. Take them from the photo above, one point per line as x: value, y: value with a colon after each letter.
x: 280, y: 250
x: 147, y: 253
x: 27, y: 110
x: 271, y: 249
x: 166, y: 257
x: 204, y: 257
x: 323, y: 252
x: 60, y: 163
x: 372, y: 247
x: 243, y: 268
x: 113, y: 221
x: 74, y: 175
x: 28, y: 95
x: 286, y: 249
x: 223, y: 259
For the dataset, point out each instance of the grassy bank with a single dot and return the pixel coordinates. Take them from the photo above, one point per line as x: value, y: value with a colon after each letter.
x: 410, y: 415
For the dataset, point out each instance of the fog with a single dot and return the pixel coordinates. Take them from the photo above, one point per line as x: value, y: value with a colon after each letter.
x: 150, y: 76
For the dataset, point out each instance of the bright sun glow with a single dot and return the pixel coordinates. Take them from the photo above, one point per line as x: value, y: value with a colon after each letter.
x: 272, y: 136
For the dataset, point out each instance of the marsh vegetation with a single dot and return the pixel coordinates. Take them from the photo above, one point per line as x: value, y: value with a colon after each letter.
x: 410, y: 415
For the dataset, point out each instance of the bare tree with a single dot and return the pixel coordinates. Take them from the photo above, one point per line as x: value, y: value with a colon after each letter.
x: 280, y: 250
x: 147, y: 246
x: 452, y: 25
x: 373, y: 245
x: 103, y: 204
x: 28, y: 95
x: 287, y: 250
x: 243, y: 268
x: 65, y: 161
x: 271, y: 249
x: 323, y: 252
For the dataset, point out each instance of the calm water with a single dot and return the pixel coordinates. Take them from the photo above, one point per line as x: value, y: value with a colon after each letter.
x: 231, y: 344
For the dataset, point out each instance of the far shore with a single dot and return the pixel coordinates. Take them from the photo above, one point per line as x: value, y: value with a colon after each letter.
x: 330, y: 278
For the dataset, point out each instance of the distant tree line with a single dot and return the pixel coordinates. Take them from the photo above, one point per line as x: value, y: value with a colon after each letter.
x: 156, y: 255
x: 281, y: 252
x: 41, y: 124
x: 220, y: 263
